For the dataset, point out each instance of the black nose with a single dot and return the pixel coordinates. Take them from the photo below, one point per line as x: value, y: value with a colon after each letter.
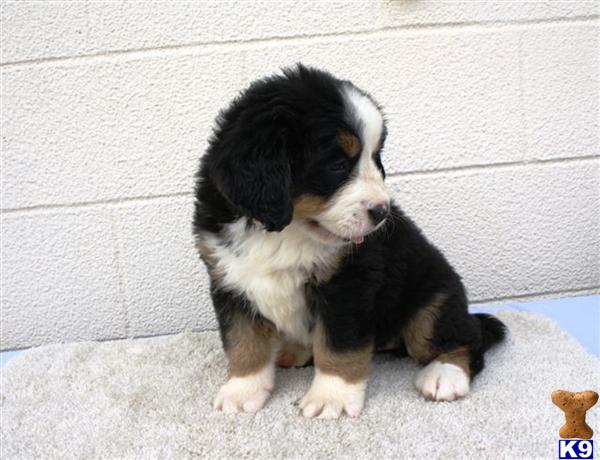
x: 379, y: 213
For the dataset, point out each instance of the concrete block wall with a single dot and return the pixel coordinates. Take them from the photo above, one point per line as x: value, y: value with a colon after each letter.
x: 106, y: 107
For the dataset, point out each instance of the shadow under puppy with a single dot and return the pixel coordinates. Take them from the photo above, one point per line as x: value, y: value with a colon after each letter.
x: 309, y: 257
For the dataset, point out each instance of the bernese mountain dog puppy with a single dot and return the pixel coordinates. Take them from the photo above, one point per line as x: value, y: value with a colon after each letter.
x: 311, y: 261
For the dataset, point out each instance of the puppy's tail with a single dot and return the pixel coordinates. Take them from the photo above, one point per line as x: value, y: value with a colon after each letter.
x: 493, y: 330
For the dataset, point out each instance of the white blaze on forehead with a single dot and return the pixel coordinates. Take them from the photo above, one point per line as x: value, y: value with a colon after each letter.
x: 348, y: 212
x: 369, y: 115
x: 368, y: 187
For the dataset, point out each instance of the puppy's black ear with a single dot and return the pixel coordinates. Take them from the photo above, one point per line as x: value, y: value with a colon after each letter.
x: 252, y: 169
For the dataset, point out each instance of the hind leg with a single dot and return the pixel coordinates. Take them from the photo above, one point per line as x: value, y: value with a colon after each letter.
x: 446, y: 377
x: 447, y: 340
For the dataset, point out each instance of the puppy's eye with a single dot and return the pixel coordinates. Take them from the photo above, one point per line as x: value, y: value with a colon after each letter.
x: 338, y: 166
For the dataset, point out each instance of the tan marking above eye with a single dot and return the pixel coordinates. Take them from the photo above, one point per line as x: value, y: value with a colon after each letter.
x: 350, y: 143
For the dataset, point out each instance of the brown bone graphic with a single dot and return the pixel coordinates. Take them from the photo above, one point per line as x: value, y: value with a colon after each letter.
x: 575, y: 405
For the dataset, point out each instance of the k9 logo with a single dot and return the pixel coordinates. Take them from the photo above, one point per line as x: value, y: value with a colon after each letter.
x: 575, y: 448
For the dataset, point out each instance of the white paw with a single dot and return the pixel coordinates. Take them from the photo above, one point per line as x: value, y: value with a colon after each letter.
x: 245, y: 394
x: 330, y: 395
x: 442, y: 381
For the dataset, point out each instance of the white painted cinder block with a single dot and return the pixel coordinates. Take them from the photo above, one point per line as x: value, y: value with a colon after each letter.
x: 59, y: 278
x: 165, y: 284
x: 109, y: 129
x: 561, y: 90
x: 36, y: 30
x: 493, y: 130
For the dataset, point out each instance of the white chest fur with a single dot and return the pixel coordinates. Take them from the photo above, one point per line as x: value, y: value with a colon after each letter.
x: 271, y: 269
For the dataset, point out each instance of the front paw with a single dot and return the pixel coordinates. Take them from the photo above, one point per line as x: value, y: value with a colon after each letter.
x: 243, y: 394
x: 330, y: 395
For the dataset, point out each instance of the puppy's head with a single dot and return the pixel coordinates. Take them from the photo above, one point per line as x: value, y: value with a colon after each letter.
x: 304, y: 146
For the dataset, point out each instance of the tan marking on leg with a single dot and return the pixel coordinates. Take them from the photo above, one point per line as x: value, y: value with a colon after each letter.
x: 417, y: 334
x: 293, y: 354
x: 350, y: 143
x: 250, y: 346
x: 352, y: 366
x: 459, y: 357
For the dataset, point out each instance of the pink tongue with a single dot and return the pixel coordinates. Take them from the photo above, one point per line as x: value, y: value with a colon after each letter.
x: 358, y: 239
